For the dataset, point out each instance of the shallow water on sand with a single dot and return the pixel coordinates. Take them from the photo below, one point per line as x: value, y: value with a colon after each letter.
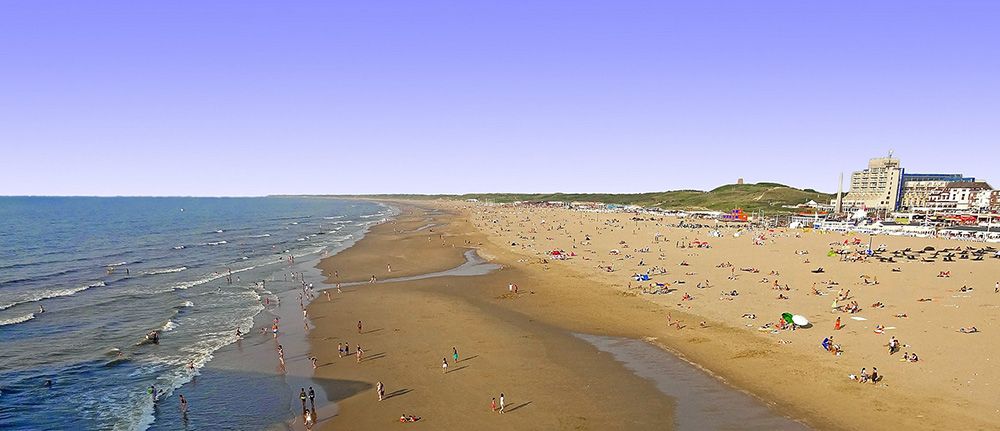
x: 703, y: 401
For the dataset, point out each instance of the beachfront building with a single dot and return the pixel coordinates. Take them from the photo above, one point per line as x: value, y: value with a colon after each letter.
x: 886, y: 186
x: 879, y: 187
x: 918, y: 188
x: 961, y: 196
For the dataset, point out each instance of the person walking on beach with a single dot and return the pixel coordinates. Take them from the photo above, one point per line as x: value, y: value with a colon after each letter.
x: 359, y: 326
x: 502, y: 403
x: 302, y: 397
x: 312, y: 398
x: 444, y: 365
x: 454, y: 354
x: 836, y: 325
x: 360, y: 352
x: 380, y: 389
x: 493, y: 405
x: 184, y: 405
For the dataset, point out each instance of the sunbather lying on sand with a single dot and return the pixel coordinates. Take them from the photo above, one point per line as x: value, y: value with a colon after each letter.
x: 969, y: 330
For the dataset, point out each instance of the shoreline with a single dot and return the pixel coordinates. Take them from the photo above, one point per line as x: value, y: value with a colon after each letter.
x: 249, y: 365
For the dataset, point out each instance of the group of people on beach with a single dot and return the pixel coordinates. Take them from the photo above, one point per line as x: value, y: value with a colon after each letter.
x: 308, y: 415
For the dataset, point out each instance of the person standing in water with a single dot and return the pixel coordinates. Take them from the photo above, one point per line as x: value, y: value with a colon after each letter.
x: 302, y: 397
x: 312, y: 398
x: 184, y: 405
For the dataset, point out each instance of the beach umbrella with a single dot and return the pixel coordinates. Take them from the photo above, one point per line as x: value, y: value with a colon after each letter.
x: 787, y: 317
x: 800, y: 320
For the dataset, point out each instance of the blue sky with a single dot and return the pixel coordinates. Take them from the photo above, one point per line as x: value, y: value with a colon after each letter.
x: 253, y: 98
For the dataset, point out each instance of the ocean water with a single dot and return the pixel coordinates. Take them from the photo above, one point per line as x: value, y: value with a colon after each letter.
x: 109, y: 270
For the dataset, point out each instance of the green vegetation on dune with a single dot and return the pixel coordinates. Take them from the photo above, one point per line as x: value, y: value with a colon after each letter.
x: 768, y: 197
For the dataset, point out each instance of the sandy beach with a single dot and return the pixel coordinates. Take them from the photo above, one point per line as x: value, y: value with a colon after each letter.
x: 523, y: 345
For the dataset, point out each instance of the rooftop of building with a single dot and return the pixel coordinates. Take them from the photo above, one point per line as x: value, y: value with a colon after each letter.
x: 978, y: 185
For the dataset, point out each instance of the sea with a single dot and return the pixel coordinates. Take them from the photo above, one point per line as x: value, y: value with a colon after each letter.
x: 107, y: 271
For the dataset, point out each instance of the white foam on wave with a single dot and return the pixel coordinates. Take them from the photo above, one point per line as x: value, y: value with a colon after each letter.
x: 166, y: 271
x: 169, y: 326
x: 16, y: 320
x: 51, y: 293
x: 198, y: 354
x: 189, y: 284
x: 265, y: 235
x: 307, y: 253
x: 117, y: 264
x: 187, y: 304
x: 179, y: 247
x: 333, y: 218
x: 215, y: 243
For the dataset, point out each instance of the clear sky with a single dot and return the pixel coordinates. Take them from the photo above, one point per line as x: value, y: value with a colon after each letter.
x: 265, y: 97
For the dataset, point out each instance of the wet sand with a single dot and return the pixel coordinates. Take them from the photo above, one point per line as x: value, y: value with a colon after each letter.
x: 550, y: 379
x: 705, y: 402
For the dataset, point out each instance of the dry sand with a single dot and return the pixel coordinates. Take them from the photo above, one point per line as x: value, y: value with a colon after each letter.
x: 521, y: 345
